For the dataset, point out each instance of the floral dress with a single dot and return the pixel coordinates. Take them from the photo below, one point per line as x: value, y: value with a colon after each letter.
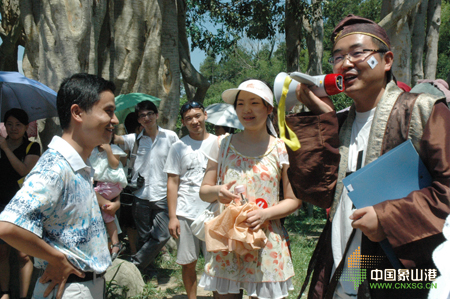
x: 262, y: 273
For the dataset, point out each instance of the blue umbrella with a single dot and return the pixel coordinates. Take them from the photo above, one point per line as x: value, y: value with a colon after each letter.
x: 17, y: 91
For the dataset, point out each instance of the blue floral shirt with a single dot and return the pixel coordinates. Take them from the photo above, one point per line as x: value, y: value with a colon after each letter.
x: 57, y: 203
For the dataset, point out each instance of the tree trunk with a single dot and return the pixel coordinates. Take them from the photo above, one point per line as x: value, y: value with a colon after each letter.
x: 400, y: 37
x: 61, y: 38
x: 433, y: 24
x: 123, y: 41
x: 418, y: 42
x: 293, y: 33
x: 391, y: 17
x: 191, y: 77
x: 314, y: 39
x: 10, y: 33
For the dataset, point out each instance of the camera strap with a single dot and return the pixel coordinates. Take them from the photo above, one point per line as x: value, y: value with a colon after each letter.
x: 132, y: 156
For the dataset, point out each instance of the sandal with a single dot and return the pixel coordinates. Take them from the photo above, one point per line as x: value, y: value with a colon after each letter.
x: 5, y: 293
x: 121, y: 247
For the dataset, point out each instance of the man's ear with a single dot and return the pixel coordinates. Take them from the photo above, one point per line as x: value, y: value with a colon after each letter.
x: 76, y: 113
x: 206, y: 115
x: 389, y: 60
x: 269, y: 109
x: 182, y: 122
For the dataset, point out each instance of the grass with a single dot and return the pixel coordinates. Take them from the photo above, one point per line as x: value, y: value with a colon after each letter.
x: 303, y: 232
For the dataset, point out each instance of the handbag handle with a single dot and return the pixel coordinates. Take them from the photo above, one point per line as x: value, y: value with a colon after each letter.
x: 223, y: 148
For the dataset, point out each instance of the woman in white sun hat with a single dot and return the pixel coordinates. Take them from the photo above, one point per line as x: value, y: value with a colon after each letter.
x: 257, y: 160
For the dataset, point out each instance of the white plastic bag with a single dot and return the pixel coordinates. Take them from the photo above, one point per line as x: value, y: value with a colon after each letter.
x: 198, y: 226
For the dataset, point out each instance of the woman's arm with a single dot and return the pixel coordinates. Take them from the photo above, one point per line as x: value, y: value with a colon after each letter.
x: 284, y: 208
x: 22, y: 168
x: 211, y: 192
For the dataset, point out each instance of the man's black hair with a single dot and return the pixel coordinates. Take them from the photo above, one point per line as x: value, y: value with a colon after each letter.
x: 145, y: 105
x: 81, y: 89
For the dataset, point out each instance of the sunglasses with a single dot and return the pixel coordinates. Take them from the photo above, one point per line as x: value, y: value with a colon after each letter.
x: 190, y: 105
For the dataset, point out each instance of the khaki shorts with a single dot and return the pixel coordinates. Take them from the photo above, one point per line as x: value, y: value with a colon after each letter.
x: 189, y: 250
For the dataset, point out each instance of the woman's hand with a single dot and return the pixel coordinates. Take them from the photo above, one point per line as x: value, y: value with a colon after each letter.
x: 224, y: 195
x: 256, y: 218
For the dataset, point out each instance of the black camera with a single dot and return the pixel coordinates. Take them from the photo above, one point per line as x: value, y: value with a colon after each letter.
x: 139, y: 183
x: 127, y: 196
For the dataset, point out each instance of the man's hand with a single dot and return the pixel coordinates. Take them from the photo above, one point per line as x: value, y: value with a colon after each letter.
x: 57, y: 274
x: 366, y: 220
x: 174, y: 227
x: 225, y: 196
x: 315, y: 104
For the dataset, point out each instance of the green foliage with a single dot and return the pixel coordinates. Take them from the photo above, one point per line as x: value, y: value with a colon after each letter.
x: 335, y: 10
x: 242, y: 64
x: 443, y: 64
x: 256, y: 19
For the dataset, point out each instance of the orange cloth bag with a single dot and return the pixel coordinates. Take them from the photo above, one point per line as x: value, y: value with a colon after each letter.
x: 228, y: 231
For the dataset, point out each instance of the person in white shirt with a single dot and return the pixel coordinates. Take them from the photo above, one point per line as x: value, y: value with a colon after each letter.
x: 185, y: 167
x: 150, y: 202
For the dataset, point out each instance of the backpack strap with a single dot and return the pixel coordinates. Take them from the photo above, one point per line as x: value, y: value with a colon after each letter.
x: 132, y: 157
x: 397, y: 127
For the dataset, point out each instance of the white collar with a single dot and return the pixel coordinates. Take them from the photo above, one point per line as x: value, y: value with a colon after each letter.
x: 142, y: 133
x: 69, y: 153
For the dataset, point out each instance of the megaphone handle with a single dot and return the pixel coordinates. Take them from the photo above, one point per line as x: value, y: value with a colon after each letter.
x: 293, y: 143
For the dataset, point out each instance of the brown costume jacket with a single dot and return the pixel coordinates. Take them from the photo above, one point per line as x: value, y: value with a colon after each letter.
x: 413, y: 224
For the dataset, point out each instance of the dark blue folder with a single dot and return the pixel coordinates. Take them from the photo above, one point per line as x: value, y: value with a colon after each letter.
x: 392, y: 176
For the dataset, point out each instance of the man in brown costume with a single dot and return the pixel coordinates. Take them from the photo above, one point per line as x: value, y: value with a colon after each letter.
x: 381, y: 117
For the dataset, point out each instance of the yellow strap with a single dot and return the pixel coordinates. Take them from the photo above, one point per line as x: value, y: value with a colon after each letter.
x: 293, y: 143
x: 28, y: 148
x: 20, y: 181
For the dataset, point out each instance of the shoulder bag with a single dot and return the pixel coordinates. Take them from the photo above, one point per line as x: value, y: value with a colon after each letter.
x: 198, y: 226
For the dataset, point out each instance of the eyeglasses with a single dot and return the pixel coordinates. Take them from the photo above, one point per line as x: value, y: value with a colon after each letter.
x: 354, y: 56
x: 148, y: 114
x: 190, y: 105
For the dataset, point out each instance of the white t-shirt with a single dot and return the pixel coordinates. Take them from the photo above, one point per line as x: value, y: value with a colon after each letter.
x: 342, y: 225
x: 187, y: 160
x: 150, y: 160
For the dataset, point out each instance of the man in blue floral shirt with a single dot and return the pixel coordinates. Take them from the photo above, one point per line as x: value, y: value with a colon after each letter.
x: 55, y: 217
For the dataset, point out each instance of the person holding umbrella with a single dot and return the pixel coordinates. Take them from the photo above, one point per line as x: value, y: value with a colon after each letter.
x: 17, y: 157
x: 257, y: 160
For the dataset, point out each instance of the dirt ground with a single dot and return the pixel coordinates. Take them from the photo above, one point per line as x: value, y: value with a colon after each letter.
x: 170, y: 282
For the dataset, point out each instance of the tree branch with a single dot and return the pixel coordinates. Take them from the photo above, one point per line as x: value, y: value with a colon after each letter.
x: 402, y: 10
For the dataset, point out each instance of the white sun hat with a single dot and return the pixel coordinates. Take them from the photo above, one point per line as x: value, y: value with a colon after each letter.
x: 256, y: 87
